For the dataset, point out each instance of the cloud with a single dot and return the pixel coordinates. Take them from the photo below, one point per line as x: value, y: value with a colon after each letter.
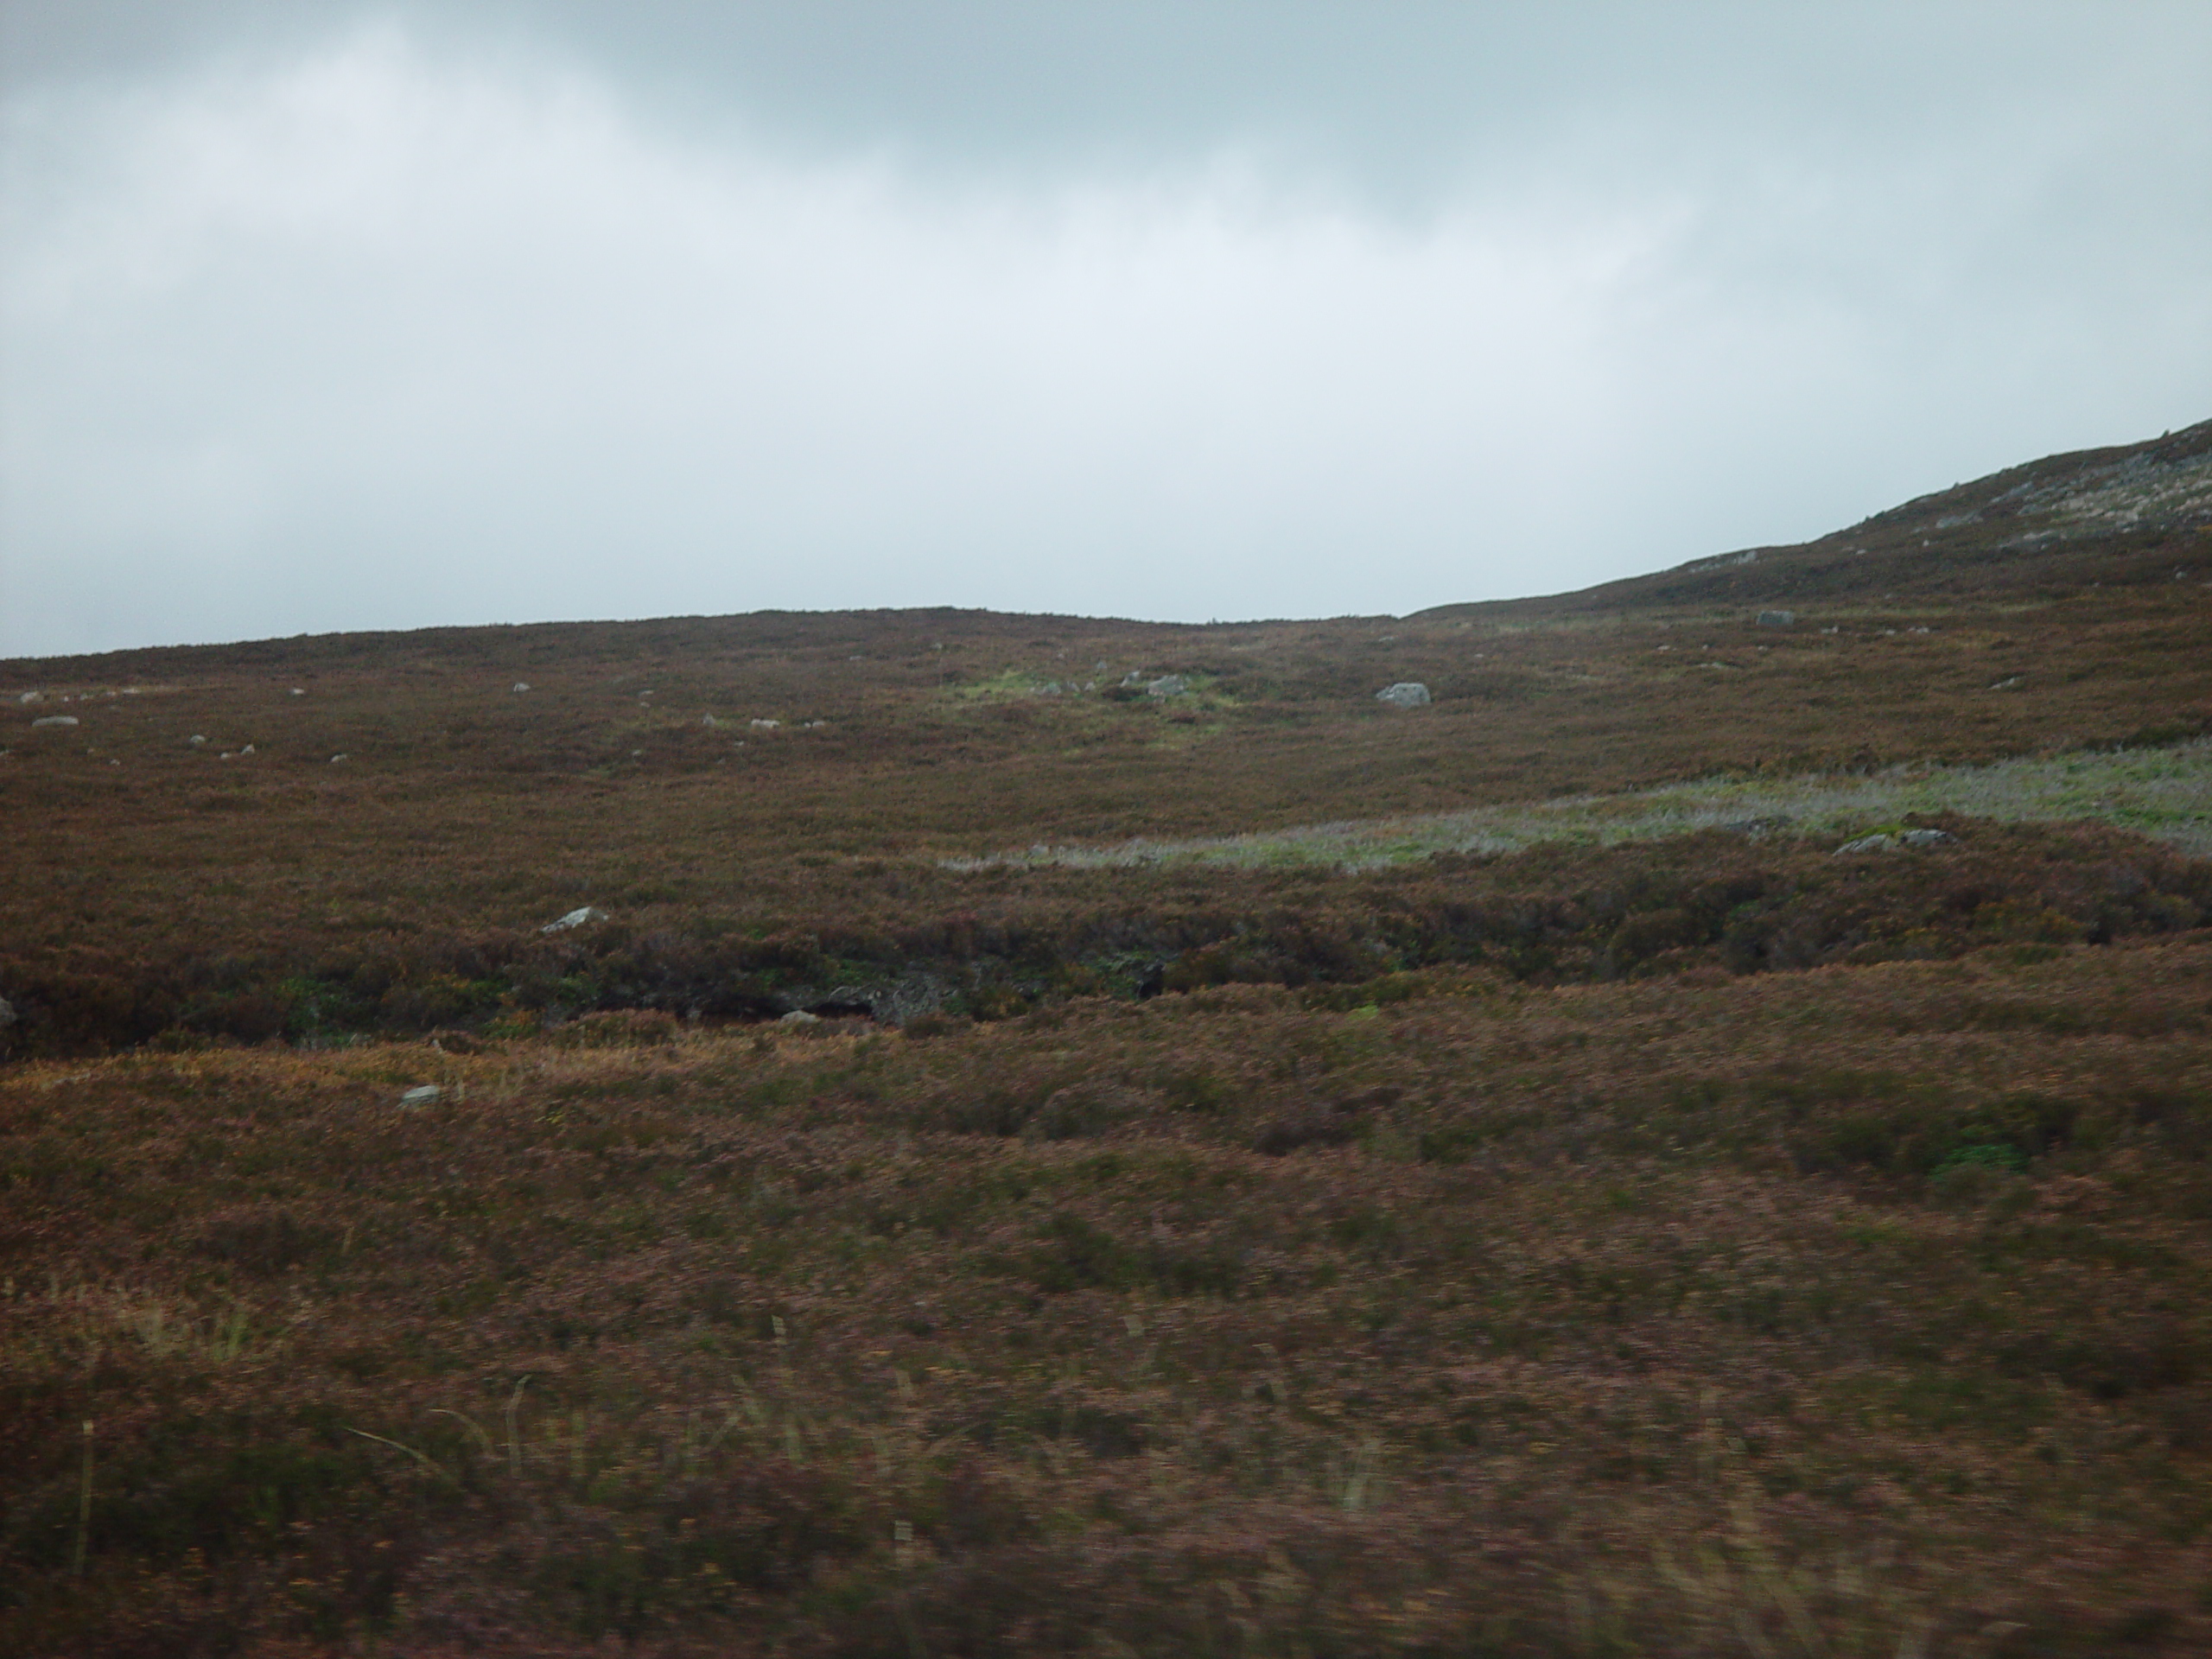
x: 383, y: 334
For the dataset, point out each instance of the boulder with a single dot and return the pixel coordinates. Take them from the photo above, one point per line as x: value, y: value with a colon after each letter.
x: 422, y: 1095
x: 1168, y: 685
x: 1869, y: 844
x: 197, y: 739
x: 1777, y: 619
x: 522, y: 685
x: 1925, y: 837
x: 800, y: 1017
x: 577, y: 917
x: 1406, y: 694
x: 55, y: 720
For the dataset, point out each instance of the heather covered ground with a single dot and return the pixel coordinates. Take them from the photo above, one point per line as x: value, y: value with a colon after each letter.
x: 1858, y: 1310
x: 1006, y: 1164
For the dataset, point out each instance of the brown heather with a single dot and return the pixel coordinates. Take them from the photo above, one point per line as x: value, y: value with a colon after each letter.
x: 1707, y: 1245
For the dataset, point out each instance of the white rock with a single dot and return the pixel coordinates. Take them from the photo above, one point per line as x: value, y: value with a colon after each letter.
x: 708, y: 720
x: 575, y: 918
x: 32, y: 696
x: 522, y: 685
x: 55, y: 720
x: 800, y: 1017
x: 1167, y: 685
x: 247, y: 750
x: 1925, y: 837
x: 198, y: 740
x: 1406, y: 694
x: 335, y: 759
x: 422, y: 1095
x: 767, y: 725
x: 298, y: 692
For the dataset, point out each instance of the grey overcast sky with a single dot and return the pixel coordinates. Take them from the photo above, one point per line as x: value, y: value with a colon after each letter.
x: 318, y: 316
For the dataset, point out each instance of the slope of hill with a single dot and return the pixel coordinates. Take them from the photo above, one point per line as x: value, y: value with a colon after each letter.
x: 878, y: 1133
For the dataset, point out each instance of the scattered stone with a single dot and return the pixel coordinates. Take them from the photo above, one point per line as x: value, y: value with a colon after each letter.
x: 55, y: 720
x: 2006, y: 684
x: 766, y: 725
x: 1407, y: 694
x: 335, y: 759
x: 1168, y: 685
x: 577, y: 917
x: 298, y: 692
x: 522, y: 685
x: 198, y: 740
x: 31, y: 696
x: 1777, y: 619
x: 422, y: 1095
x: 1889, y: 843
x: 800, y: 1017
x: 708, y: 720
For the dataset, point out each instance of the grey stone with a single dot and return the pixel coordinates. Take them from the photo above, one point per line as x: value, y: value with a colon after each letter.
x: 577, y: 917
x: 1406, y: 694
x: 1925, y: 837
x: 1168, y: 685
x: 7, y: 1014
x: 55, y: 720
x: 422, y: 1095
x: 800, y: 1017
x: 31, y: 696
x: 1777, y: 619
x: 522, y: 685
x: 1868, y: 845
x: 197, y: 739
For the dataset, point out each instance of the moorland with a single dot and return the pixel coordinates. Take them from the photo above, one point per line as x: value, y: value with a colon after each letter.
x: 948, y: 1132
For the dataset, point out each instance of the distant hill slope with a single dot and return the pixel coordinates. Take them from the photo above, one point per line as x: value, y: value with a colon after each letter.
x: 2096, y: 517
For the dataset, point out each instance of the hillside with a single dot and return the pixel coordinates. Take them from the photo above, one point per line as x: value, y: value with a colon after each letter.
x: 288, y: 836
x: 903, y: 1132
